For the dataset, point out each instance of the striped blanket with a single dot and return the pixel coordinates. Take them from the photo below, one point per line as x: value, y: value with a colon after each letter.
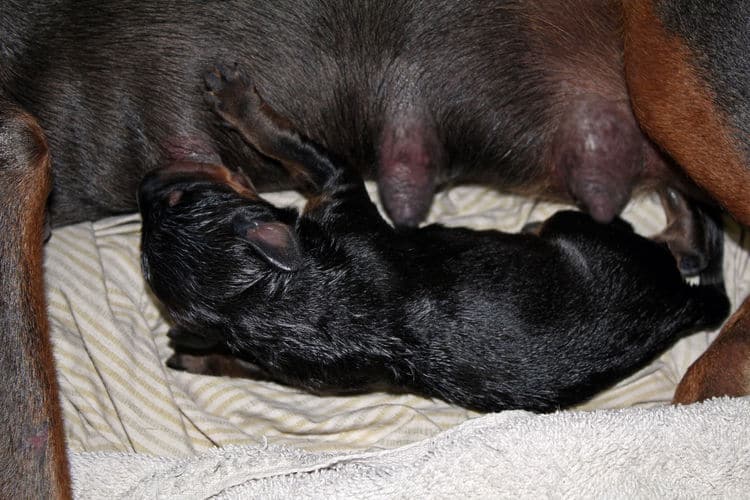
x: 110, y: 344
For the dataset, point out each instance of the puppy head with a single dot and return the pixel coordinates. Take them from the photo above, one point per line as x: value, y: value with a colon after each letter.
x: 207, y: 237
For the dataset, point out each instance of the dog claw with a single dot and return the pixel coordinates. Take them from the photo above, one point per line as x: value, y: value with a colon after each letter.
x: 213, y: 81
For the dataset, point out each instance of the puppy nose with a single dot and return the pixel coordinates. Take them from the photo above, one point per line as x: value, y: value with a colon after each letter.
x: 149, y: 186
x: 155, y: 185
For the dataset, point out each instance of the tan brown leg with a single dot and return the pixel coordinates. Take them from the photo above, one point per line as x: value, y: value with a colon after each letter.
x: 675, y: 104
x: 724, y: 369
x: 33, y: 462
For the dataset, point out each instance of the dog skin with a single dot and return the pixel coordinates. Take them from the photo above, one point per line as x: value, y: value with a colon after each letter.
x: 336, y: 299
x: 545, y: 112
x: 527, y: 96
x: 689, y: 78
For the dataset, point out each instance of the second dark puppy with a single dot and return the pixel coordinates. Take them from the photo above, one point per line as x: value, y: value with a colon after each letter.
x: 336, y: 299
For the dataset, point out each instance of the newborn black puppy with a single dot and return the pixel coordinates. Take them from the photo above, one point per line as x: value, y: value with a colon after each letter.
x: 337, y: 299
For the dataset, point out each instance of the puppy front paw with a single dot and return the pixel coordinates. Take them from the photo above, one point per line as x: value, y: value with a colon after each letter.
x: 231, y: 95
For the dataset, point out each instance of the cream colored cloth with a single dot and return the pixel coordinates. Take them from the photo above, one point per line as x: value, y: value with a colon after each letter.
x: 117, y: 395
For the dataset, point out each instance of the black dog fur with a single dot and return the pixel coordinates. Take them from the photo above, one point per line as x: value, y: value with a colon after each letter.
x: 337, y: 299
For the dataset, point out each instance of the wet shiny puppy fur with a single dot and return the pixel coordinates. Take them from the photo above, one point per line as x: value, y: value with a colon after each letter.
x: 336, y: 299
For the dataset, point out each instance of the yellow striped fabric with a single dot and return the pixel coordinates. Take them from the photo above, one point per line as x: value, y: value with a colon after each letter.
x: 110, y: 345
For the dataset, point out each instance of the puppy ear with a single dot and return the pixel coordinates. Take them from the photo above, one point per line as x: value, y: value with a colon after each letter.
x: 274, y: 241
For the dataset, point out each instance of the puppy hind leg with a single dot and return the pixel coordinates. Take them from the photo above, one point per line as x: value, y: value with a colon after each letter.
x: 33, y: 463
x: 694, y: 235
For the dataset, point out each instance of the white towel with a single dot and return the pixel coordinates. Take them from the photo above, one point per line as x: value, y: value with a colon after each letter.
x: 695, y: 451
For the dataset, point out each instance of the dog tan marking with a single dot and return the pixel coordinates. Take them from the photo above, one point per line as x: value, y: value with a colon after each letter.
x: 675, y: 107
